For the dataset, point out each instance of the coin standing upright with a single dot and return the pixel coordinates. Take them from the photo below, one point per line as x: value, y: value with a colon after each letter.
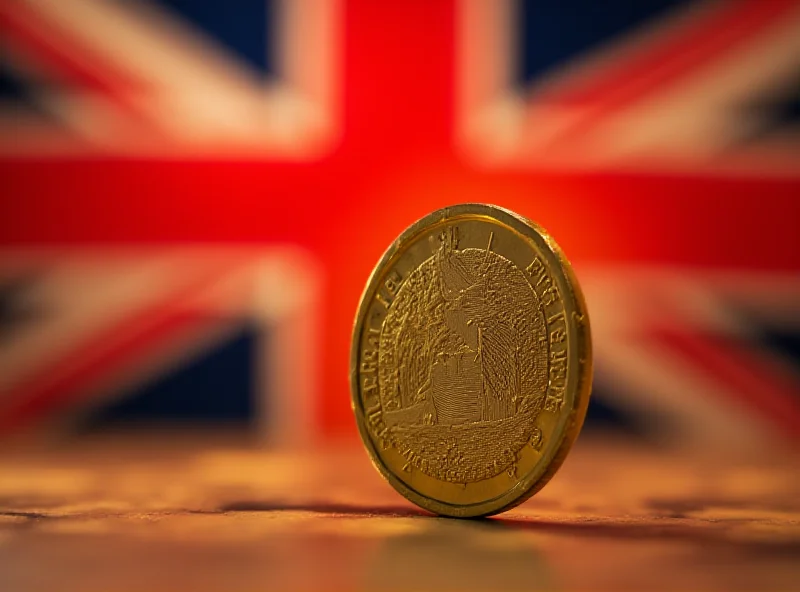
x: 471, y: 361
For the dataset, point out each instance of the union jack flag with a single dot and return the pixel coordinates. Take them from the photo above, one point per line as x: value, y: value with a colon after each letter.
x: 185, y: 181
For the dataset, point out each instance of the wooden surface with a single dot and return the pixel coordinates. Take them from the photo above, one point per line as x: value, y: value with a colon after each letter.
x: 116, y: 516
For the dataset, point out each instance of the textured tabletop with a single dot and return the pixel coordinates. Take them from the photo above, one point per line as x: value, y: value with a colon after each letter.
x: 157, y: 516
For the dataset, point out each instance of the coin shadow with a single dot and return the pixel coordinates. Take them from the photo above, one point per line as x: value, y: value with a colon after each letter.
x: 432, y: 552
x: 450, y: 554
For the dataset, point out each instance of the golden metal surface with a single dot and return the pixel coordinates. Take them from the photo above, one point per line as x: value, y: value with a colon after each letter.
x: 470, y: 366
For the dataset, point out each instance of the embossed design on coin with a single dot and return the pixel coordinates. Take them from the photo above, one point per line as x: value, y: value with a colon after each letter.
x: 471, y: 361
x: 463, y: 363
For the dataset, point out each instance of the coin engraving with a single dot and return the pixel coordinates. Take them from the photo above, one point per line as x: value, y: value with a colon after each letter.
x: 471, y: 361
x: 463, y: 363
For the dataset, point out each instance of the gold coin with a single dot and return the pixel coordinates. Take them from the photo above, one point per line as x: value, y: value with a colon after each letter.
x: 470, y: 367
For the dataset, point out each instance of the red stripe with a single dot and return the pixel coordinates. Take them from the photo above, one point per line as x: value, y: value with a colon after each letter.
x: 756, y: 383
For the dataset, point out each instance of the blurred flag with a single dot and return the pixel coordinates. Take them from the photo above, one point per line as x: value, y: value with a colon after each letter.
x: 697, y: 358
x: 658, y: 141
x: 207, y: 337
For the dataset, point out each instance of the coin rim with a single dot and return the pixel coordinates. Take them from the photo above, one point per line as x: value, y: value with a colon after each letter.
x: 544, y: 469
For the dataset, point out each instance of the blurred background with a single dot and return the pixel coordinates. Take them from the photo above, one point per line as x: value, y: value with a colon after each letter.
x: 193, y: 194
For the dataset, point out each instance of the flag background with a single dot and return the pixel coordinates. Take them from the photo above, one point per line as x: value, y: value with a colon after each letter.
x: 362, y: 118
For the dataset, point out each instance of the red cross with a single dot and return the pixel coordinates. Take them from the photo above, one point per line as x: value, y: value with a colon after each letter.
x: 396, y: 161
